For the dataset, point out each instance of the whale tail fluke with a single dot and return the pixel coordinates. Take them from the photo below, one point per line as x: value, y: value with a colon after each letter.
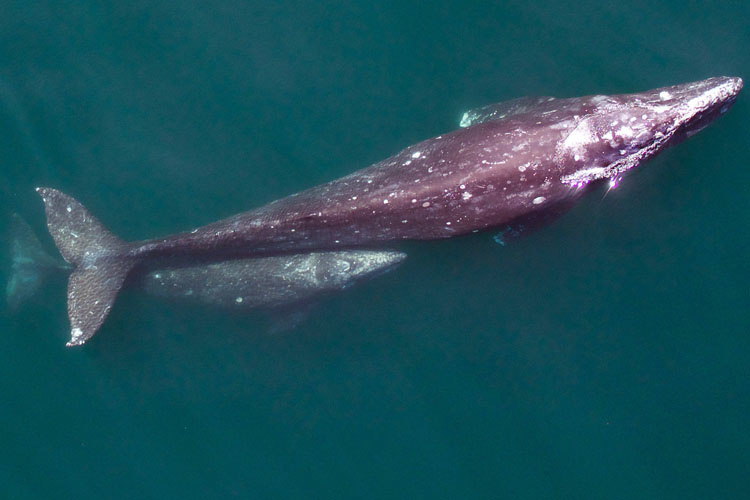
x: 30, y: 264
x: 99, y: 257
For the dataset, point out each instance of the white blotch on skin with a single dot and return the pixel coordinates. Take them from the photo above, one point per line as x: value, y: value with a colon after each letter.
x: 664, y: 95
x: 562, y: 125
x: 385, y: 202
x: 238, y: 300
x: 466, y: 195
x: 426, y: 204
x: 581, y: 137
x: 625, y: 132
x: 538, y: 200
x: 69, y: 209
x: 416, y: 154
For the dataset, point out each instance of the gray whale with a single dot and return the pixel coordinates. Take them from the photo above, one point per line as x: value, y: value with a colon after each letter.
x: 520, y: 160
x: 269, y: 282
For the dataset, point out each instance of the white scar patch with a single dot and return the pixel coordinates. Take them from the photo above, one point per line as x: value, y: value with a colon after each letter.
x: 75, y: 334
x: 625, y: 131
x: 581, y: 137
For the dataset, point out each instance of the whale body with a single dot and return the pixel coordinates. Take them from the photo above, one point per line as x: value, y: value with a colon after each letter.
x: 269, y: 282
x: 516, y: 161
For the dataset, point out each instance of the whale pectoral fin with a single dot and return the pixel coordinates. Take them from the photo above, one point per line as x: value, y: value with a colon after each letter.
x: 508, y: 233
x: 91, y: 293
x: 286, y: 319
x: 502, y: 110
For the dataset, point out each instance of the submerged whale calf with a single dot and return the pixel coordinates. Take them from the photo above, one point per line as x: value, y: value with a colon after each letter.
x: 272, y: 281
x: 518, y: 161
x: 239, y: 284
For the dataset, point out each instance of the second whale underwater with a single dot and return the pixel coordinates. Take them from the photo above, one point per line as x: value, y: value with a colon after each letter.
x: 285, y: 284
x: 523, y: 161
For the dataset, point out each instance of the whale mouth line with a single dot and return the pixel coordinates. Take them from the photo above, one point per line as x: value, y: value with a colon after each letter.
x: 621, y: 165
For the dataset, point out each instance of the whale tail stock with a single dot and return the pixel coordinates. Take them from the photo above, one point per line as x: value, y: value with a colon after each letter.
x: 99, y: 258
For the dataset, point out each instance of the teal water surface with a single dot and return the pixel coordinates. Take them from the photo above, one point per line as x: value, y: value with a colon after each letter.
x: 605, y: 356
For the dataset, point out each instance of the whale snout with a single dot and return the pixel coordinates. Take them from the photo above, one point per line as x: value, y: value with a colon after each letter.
x: 704, y: 102
x: 634, y: 127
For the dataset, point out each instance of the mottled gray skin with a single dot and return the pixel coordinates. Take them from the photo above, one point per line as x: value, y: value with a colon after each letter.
x: 267, y: 282
x: 518, y: 160
x: 542, y: 153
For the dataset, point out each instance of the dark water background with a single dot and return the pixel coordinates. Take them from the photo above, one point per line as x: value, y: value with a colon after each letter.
x: 605, y: 356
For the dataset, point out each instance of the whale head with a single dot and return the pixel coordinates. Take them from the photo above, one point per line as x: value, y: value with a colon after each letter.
x: 616, y: 133
x: 342, y: 269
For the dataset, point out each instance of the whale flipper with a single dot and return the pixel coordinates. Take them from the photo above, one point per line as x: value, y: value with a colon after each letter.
x: 99, y: 257
x: 30, y: 264
x: 501, y: 110
x: 287, y: 319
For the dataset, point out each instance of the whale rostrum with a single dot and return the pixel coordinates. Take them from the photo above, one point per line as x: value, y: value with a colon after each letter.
x: 520, y: 160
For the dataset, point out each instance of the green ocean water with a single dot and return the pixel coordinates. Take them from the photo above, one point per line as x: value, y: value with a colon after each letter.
x: 604, y: 356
